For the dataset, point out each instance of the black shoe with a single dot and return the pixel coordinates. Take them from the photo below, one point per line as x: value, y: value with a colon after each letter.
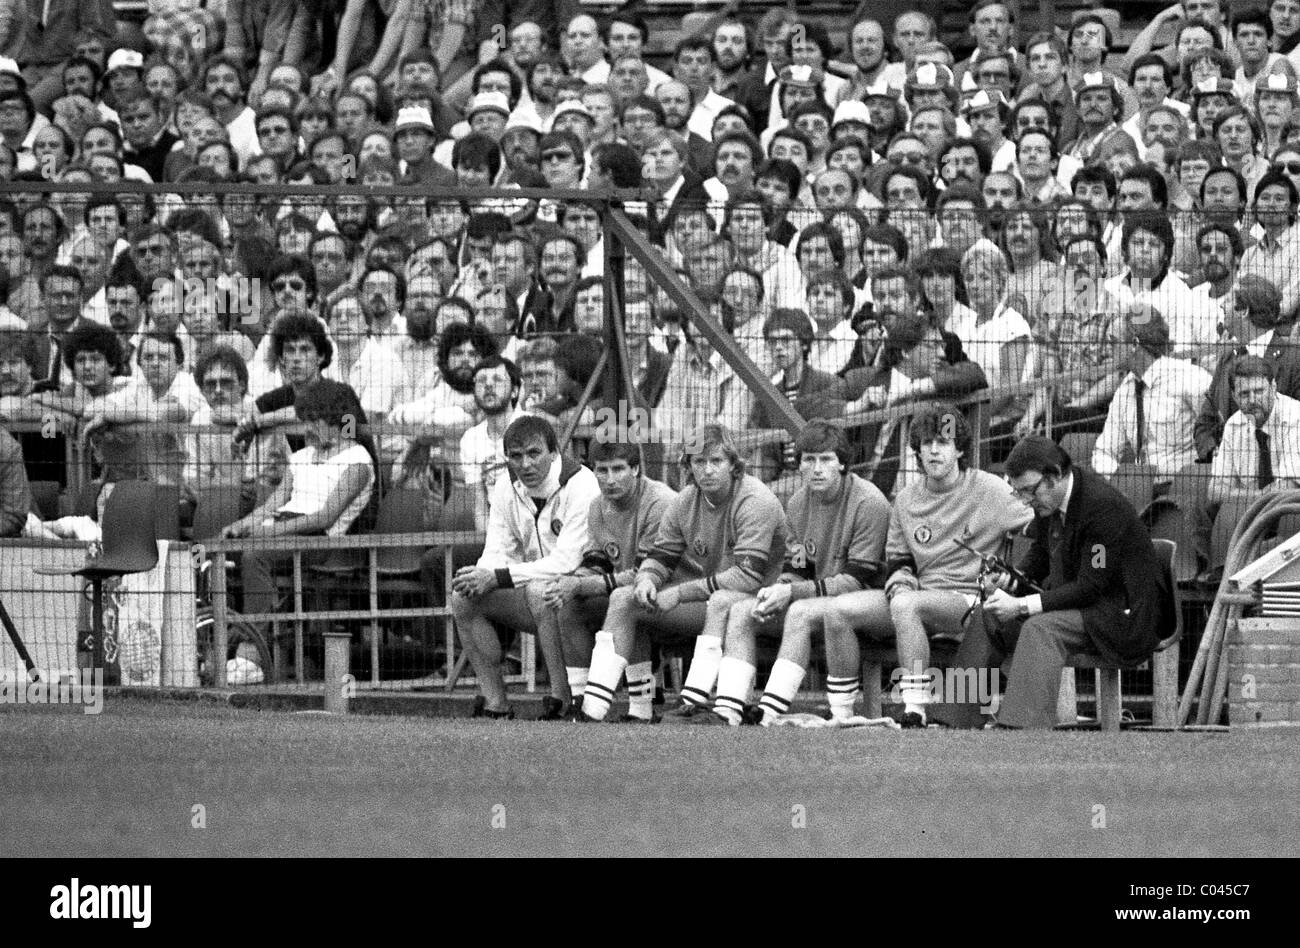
x: 684, y: 711
x: 658, y: 700
x: 552, y: 709
x: 575, y: 712
x: 655, y: 718
x: 709, y: 717
x: 911, y: 719
x: 481, y: 711
x: 752, y: 715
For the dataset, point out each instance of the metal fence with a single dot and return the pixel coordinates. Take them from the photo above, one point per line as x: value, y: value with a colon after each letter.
x: 586, y: 361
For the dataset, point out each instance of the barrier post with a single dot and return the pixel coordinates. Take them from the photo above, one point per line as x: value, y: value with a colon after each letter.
x: 338, y: 682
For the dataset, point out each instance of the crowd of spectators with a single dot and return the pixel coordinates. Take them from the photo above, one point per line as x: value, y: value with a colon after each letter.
x: 873, y: 222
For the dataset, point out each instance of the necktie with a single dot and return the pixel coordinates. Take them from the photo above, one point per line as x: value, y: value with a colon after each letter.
x: 1264, y: 477
x: 1139, y: 397
x: 1055, y: 545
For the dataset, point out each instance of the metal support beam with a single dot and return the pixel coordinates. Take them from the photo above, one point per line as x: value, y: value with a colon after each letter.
x: 636, y: 244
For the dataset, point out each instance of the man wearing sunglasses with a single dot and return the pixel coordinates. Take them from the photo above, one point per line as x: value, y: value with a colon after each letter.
x: 1104, y: 590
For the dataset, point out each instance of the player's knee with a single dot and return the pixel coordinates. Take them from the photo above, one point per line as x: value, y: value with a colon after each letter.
x: 904, y: 605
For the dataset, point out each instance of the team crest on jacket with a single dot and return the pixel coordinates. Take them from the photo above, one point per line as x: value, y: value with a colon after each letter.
x: 556, y: 526
x: 700, y: 547
x: 922, y: 534
x: 611, y: 550
x: 810, y: 546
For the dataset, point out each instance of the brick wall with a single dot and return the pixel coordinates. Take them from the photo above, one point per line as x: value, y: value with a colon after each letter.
x: 1264, y: 672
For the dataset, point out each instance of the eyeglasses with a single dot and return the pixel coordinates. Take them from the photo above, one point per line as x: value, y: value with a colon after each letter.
x: 275, y: 130
x: 558, y: 156
x: 1027, y: 493
x: 219, y: 381
x: 909, y: 158
x: 1290, y: 167
x: 296, y: 284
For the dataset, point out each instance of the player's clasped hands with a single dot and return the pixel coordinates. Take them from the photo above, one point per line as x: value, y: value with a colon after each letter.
x: 473, y: 581
x: 559, y: 591
x: 770, y: 600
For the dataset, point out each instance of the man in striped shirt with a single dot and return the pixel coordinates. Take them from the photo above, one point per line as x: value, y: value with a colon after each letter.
x: 835, y: 542
x: 725, y: 530
x: 933, y: 581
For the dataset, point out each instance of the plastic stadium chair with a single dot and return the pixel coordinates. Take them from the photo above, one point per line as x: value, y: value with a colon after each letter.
x: 130, y: 545
x: 1164, y: 664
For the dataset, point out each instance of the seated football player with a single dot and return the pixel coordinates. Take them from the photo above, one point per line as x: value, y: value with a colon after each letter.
x: 537, y: 530
x: 933, y: 580
x: 725, y: 530
x: 621, y: 529
x: 835, y: 543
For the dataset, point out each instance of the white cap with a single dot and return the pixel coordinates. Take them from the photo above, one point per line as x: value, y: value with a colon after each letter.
x: 851, y: 110
x: 931, y: 76
x: 984, y: 99
x: 124, y: 59
x: 1276, y: 82
x: 489, y: 102
x: 575, y: 106
x: 968, y: 83
x: 10, y: 66
x: 414, y: 116
x: 799, y: 74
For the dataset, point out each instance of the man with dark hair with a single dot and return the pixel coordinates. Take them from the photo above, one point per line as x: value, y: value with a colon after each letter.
x: 695, y: 65
x: 1149, y: 285
x: 836, y: 525
x: 536, y: 531
x: 621, y: 528
x: 1274, y: 256
x: 788, y: 334
x: 931, y: 580
x: 496, y: 385
x: 148, y: 141
x: 1105, y: 591
x: 724, y: 530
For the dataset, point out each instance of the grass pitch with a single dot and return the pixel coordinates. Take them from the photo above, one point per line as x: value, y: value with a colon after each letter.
x: 126, y: 783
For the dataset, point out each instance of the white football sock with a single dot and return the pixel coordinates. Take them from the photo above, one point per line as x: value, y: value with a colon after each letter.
x: 577, y: 682
x: 640, y: 690
x: 735, y: 680
x: 782, y: 685
x: 602, y: 681
x: 704, y: 670
x: 915, y: 691
x: 842, y: 693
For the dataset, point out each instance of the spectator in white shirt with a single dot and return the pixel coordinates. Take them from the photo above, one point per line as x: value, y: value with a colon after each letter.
x: 1149, y: 284
x: 1273, y: 257
x: 1260, y: 452
x: 1153, y: 414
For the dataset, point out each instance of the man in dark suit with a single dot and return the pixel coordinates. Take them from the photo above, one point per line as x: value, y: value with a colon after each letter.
x: 1105, y: 591
x: 673, y: 184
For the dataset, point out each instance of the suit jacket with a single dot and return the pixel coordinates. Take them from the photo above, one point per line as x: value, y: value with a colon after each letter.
x: 1219, y: 405
x: 1111, y: 572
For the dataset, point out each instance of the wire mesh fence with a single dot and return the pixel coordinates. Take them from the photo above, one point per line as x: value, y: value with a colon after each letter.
x: 190, y: 356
